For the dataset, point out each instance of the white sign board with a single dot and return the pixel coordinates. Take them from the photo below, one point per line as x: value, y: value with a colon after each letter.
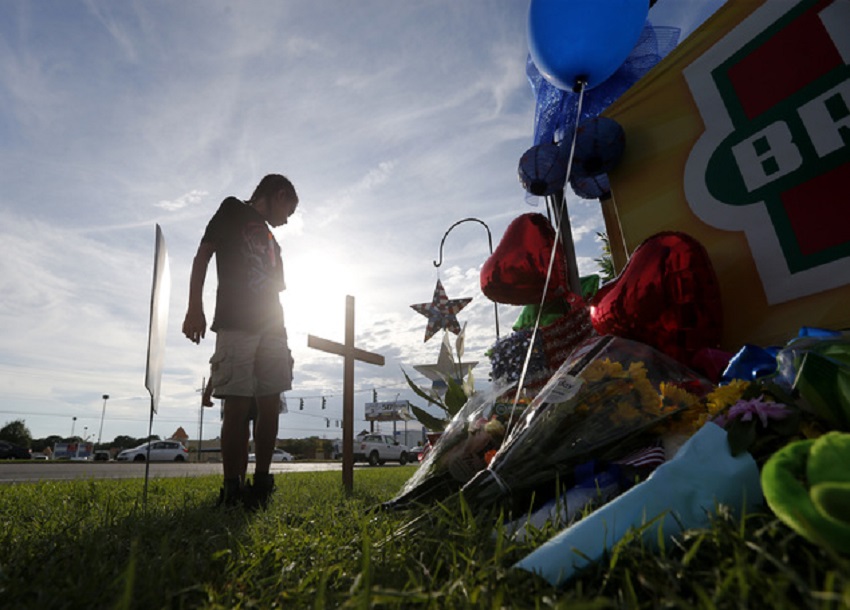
x: 160, y: 292
x: 388, y: 411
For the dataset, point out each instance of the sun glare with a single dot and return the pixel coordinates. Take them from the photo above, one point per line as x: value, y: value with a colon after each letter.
x: 314, y: 299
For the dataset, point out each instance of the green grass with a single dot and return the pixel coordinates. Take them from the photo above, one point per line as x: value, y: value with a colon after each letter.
x: 92, y: 544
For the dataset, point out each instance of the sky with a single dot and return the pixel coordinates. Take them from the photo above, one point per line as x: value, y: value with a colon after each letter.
x: 394, y: 120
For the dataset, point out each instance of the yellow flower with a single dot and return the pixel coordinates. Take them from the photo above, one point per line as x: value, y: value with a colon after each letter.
x: 625, y: 412
x: 811, y: 429
x: 724, y: 396
x: 700, y: 421
x: 686, y: 421
x: 674, y: 396
x: 637, y: 370
x: 594, y: 371
x: 649, y: 399
x: 615, y: 369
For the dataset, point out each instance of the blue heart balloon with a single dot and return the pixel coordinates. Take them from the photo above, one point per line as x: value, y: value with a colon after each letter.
x: 583, y: 40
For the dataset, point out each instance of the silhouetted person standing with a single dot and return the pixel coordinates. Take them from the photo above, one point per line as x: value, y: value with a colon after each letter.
x: 252, y: 363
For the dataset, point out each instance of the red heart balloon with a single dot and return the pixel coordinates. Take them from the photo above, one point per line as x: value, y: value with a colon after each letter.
x: 515, y: 273
x: 667, y: 296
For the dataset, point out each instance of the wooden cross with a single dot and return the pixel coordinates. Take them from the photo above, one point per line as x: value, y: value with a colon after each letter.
x: 350, y: 354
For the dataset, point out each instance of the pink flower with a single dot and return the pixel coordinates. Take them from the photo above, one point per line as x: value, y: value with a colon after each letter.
x: 745, y: 409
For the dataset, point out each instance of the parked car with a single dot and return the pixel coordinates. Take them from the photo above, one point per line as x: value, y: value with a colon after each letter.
x: 160, y: 451
x: 377, y: 449
x: 38, y: 455
x: 279, y: 455
x: 417, y: 453
x: 10, y: 451
x: 101, y: 456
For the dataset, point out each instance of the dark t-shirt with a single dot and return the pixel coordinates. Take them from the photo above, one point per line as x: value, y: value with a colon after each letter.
x: 250, y: 270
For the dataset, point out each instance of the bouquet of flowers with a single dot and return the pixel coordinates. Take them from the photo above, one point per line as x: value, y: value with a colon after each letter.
x: 465, y: 446
x: 759, y: 416
x: 609, y: 398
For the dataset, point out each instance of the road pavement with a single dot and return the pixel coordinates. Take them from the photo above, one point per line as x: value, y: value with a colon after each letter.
x: 29, y: 471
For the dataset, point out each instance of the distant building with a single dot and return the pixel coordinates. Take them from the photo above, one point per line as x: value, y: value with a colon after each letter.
x: 180, y: 435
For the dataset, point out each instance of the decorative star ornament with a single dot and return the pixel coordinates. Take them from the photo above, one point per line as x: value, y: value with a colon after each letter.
x: 441, y: 312
x: 445, y: 368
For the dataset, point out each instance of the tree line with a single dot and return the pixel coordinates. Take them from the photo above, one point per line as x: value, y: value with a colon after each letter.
x: 17, y: 433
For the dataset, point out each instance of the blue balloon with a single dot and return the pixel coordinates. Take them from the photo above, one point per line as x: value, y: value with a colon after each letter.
x: 600, y: 143
x: 543, y: 170
x: 591, y: 187
x: 573, y: 40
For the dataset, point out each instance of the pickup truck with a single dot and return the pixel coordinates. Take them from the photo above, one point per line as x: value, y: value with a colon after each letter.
x: 377, y: 449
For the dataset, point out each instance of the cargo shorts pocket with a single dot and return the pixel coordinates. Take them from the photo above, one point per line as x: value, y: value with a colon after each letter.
x: 221, y: 368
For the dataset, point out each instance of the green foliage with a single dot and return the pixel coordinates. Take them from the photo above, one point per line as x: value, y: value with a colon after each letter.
x: 605, y: 262
x: 16, y: 432
x: 450, y: 405
x: 127, y: 442
x: 40, y: 444
x: 307, y: 448
x: 456, y: 395
x: 94, y: 544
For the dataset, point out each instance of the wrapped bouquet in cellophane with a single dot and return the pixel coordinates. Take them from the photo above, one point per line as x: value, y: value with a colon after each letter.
x: 609, y: 398
x: 469, y: 440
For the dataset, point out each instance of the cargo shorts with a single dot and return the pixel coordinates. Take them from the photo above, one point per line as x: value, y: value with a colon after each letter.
x: 251, y: 363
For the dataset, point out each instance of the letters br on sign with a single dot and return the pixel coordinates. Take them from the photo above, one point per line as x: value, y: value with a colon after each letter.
x: 741, y: 138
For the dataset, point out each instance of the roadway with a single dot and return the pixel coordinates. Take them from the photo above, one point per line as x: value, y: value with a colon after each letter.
x: 29, y: 471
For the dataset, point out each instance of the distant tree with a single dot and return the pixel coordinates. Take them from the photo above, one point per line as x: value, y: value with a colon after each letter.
x: 40, y: 444
x: 16, y: 432
x: 128, y: 442
x: 605, y: 262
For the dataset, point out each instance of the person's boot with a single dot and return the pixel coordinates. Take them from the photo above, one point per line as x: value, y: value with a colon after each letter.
x: 230, y: 493
x: 259, y: 492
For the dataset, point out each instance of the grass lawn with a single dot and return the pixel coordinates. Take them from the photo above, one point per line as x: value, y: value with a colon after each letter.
x: 92, y: 544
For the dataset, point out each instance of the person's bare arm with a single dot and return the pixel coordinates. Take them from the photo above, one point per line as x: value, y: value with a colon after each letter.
x: 195, y: 323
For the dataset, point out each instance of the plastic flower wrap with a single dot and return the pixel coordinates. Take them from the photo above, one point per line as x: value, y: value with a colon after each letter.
x: 602, y: 403
x: 818, y: 365
x: 464, y: 448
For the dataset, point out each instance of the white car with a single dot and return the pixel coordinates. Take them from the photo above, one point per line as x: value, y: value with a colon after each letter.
x: 378, y: 448
x: 279, y: 455
x: 161, y: 451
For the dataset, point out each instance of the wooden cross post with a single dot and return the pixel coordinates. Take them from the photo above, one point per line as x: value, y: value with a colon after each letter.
x: 350, y: 354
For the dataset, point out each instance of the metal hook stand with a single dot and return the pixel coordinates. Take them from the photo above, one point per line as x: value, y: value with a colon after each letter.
x: 490, y: 243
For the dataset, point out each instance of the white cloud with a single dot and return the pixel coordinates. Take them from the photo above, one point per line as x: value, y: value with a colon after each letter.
x: 191, y: 198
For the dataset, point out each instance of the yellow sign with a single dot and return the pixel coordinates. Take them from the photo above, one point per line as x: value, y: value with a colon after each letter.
x: 741, y: 139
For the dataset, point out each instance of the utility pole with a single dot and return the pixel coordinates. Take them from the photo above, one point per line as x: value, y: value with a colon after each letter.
x: 102, y: 414
x: 201, y: 418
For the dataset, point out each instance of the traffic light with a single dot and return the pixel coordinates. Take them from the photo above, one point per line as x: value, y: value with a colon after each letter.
x: 300, y: 404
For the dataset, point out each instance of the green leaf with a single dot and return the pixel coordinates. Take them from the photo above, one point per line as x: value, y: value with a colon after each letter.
x: 787, y: 426
x: 780, y: 394
x: 741, y: 435
x: 423, y: 394
x: 435, y: 424
x: 455, y: 397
